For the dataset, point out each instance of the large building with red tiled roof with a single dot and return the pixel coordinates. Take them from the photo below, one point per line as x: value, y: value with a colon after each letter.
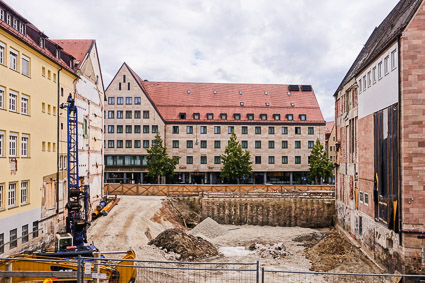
x: 277, y: 123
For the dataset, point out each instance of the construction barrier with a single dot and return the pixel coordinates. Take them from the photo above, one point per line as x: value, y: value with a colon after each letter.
x: 167, y: 190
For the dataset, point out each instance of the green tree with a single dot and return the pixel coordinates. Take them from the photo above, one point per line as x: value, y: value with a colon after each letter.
x: 236, y: 162
x: 320, y: 166
x: 159, y: 164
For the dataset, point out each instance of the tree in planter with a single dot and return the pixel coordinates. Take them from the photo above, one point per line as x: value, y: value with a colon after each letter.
x: 320, y: 166
x: 236, y: 162
x: 159, y: 164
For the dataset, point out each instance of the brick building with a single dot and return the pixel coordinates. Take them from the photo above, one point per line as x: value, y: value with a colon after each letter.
x: 278, y: 124
x: 380, y: 130
x: 330, y: 140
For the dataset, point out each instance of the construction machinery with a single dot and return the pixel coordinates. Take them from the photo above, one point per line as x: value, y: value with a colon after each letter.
x: 71, y: 244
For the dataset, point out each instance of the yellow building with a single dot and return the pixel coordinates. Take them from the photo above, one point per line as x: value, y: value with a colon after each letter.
x: 34, y: 74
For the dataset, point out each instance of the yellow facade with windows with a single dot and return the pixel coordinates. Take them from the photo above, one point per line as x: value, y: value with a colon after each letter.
x: 30, y: 89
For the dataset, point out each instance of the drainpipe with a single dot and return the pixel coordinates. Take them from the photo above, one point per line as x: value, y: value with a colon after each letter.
x: 399, y: 143
x: 57, y: 145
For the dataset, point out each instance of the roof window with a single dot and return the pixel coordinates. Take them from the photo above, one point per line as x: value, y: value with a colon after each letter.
x: 292, y: 104
x: 182, y: 116
x: 267, y: 104
x: 263, y: 117
x: 303, y: 117
x: 289, y: 93
x: 196, y: 116
x: 294, y: 88
x: 223, y: 116
x: 241, y: 103
x: 210, y: 116
x: 188, y: 91
x: 290, y: 117
x: 250, y: 116
x: 215, y: 92
x: 266, y: 93
x: 240, y: 92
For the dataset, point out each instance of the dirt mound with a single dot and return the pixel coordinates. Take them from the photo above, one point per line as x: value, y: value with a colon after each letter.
x: 208, y: 228
x: 275, y: 251
x: 187, y: 246
x: 309, y: 240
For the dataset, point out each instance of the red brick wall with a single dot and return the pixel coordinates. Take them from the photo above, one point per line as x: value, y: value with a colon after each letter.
x: 413, y: 122
x: 366, y: 161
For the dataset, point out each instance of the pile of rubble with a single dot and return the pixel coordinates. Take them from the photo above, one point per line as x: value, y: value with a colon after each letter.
x: 275, y: 251
x: 208, y: 229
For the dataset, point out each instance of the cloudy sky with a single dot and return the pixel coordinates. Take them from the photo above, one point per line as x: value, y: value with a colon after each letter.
x: 233, y: 41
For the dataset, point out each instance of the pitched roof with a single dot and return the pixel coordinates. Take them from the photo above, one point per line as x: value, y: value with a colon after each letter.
x: 76, y: 47
x: 172, y: 98
x: 382, y: 36
x: 329, y: 126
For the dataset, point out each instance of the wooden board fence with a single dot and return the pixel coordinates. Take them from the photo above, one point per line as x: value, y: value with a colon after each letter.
x: 176, y: 190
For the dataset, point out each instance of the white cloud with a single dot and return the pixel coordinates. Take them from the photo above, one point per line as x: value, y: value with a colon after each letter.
x: 286, y: 41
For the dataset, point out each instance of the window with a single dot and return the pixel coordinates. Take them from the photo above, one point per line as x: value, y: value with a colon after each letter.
x: 120, y: 144
x: 137, y: 144
x: 189, y: 129
x: 175, y: 144
x: 297, y: 144
x: 128, y: 144
x: 310, y: 144
x: 128, y: 100
x: 145, y: 143
x: 35, y: 229
x: 9, y: 19
x: 284, y: 144
x: 13, y: 59
x: 311, y: 130
x: 123, y: 78
x: 210, y: 116
x: 110, y: 114
x: 271, y: 130
x: 182, y: 116
x: 217, y: 159
x: 11, y: 195
x: 2, y: 48
x: 393, y: 59
x: 290, y: 117
x: 257, y: 144
x: 137, y: 114
x: 1, y: 143
x: 24, y: 146
x: 230, y: 129
x: 1, y: 200
x: 379, y: 70
x: 137, y: 100
x: 13, y: 139
x: 237, y: 116
x: 13, y: 242
x: 298, y: 130
x: 13, y: 97
x: 271, y: 159
x: 128, y: 114
x: 271, y: 144
x: 189, y: 160
x: 263, y: 117
x: 24, y: 192
x: 297, y: 159
x: 217, y: 130
x: 2, y: 18
x: 258, y: 130
x: 360, y: 85
x: 303, y: 117
x: 111, y: 100
x: 25, y: 66
x: 146, y: 114
x: 364, y: 82
x: 244, y: 130
x: 175, y: 129
x: 146, y: 129
x: 24, y: 104
x: 154, y: 129
x: 203, y: 144
x: 284, y: 159
x: 110, y: 144
x: 111, y: 129
x: 119, y: 114
x: 374, y: 75
x: 223, y: 116
x: 250, y: 116
x: 217, y: 144
x: 120, y: 100
x: 203, y: 160
x: 203, y: 129
x: 128, y: 129
x: 119, y: 86
x: 369, y: 81
x: 244, y: 144
x: 1, y: 97
x: 258, y: 160
x: 366, y: 199
x: 128, y: 85
x: 276, y: 117
x: 189, y: 144
x: 120, y: 129
x: 386, y: 67
x: 15, y: 23
x: 284, y: 130
x: 196, y: 116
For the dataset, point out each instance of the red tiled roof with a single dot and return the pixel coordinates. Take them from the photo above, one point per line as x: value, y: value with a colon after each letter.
x: 329, y: 126
x: 172, y: 98
x: 76, y: 47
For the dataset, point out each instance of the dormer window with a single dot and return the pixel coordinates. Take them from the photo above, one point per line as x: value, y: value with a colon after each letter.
x: 9, y: 19
x: 70, y: 65
x: 2, y: 15
x: 303, y: 117
x: 15, y: 23
x: 276, y: 117
x: 290, y: 117
x: 250, y: 116
x: 182, y: 116
x: 57, y: 53
x: 237, y: 116
x: 41, y: 42
x: 21, y: 28
x: 210, y: 116
x: 223, y: 116
x: 196, y: 116
x: 263, y: 117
